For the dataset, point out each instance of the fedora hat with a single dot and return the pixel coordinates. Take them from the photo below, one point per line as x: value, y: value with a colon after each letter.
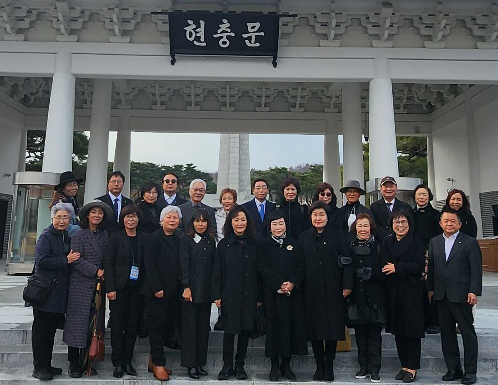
x: 353, y: 184
x: 108, y: 212
x: 67, y: 176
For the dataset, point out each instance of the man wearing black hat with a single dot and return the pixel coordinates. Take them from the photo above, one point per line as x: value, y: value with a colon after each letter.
x: 346, y: 215
x: 388, y: 204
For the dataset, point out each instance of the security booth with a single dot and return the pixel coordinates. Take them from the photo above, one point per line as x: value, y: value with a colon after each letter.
x: 404, y: 193
x: 32, y: 196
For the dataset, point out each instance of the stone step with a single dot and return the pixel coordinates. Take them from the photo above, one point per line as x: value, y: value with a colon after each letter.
x: 23, y: 377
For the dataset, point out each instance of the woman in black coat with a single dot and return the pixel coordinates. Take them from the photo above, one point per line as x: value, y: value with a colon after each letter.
x: 197, y: 254
x: 297, y: 217
x: 281, y: 266
x: 123, y: 266
x: 366, y: 311
x: 402, y: 258
x: 328, y: 280
x: 53, y: 259
x: 458, y: 201
x: 161, y: 286
x: 150, y: 211
x: 325, y: 192
x: 235, y: 289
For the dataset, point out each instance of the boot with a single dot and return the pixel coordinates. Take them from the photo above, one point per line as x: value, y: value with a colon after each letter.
x: 329, y: 371
x: 225, y: 372
x: 274, y: 371
x: 240, y: 372
x: 160, y: 373
x: 286, y: 370
x: 320, y: 370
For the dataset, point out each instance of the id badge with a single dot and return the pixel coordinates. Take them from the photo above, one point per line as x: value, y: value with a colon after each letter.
x: 134, y: 273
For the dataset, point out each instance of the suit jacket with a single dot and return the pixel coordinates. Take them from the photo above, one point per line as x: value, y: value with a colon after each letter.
x: 381, y: 215
x: 260, y: 227
x: 111, y: 225
x: 461, y: 274
x: 161, y: 202
x: 188, y: 209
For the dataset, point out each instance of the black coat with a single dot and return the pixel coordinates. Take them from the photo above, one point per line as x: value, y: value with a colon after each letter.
x: 381, y: 215
x: 297, y: 217
x: 285, y: 315
x: 162, y: 265
x: 404, y: 288
x: 366, y: 304
x: 235, y: 282
x: 161, y: 202
x: 150, y: 221
x: 52, y: 248
x: 196, y: 262
x: 260, y: 227
x: 111, y: 224
x: 426, y: 224
x: 324, y: 281
x: 469, y: 224
x: 118, y: 259
x: 342, y: 215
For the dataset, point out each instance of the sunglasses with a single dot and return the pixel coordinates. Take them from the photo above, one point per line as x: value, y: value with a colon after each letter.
x: 170, y: 181
x: 324, y: 194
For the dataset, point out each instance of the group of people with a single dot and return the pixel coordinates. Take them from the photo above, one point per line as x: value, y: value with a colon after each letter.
x: 314, y: 270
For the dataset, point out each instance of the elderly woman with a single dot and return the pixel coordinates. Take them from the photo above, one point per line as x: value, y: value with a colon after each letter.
x: 53, y: 259
x: 228, y: 199
x: 346, y: 215
x: 328, y: 280
x: 197, y: 253
x: 66, y: 192
x: 458, y: 201
x: 150, y: 210
x: 366, y: 310
x: 162, y: 285
x: 402, y: 258
x: 296, y: 213
x: 235, y: 287
x: 90, y: 241
x: 325, y: 192
x: 123, y: 274
x: 281, y: 265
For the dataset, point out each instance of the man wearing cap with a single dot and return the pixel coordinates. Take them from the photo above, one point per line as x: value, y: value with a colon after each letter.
x: 170, y: 184
x: 388, y: 204
x: 346, y: 215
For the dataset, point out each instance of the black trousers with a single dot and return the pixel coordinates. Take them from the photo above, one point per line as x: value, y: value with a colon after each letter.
x: 195, y: 333
x: 42, y: 337
x: 450, y: 314
x: 369, y: 343
x: 431, y: 315
x: 125, y: 317
x: 409, y: 350
x: 228, y: 348
x: 324, y: 350
x: 159, y: 317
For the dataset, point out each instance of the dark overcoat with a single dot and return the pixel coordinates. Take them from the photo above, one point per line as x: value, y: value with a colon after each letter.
x: 342, y: 215
x: 404, y: 288
x: 426, y: 224
x: 235, y: 282
x: 196, y: 263
x: 324, y: 281
x: 297, y: 217
x: 260, y: 226
x: 82, y: 284
x: 51, y: 262
x: 381, y: 215
x: 285, y: 315
x: 469, y: 224
x: 366, y: 304
x: 150, y: 221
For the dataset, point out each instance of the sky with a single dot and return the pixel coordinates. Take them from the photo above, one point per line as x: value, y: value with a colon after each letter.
x: 203, y: 149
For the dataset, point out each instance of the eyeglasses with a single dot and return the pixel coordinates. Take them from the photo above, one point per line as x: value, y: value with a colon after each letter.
x: 172, y: 181
x: 403, y: 223
x: 198, y: 190
x: 324, y: 194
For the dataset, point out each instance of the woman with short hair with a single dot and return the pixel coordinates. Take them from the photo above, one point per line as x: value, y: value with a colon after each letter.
x: 228, y: 199
x: 147, y: 203
x: 325, y: 192
x: 297, y: 217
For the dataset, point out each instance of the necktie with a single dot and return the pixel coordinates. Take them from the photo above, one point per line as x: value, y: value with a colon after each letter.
x: 116, y: 209
x: 197, y: 207
x: 262, y: 212
x: 389, y: 206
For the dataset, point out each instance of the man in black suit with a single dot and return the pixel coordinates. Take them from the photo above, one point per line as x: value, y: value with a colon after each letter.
x: 455, y: 280
x: 259, y: 208
x: 197, y: 190
x: 382, y: 209
x: 114, y: 198
x: 170, y: 182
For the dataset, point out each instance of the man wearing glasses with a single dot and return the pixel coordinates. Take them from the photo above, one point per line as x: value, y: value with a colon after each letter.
x: 259, y: 208
x: 197, y: 190
x: 170, y: 184
x: 114, y: 198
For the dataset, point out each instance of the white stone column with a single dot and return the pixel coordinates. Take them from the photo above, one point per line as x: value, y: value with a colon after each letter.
x: 431, y: 175
x: 223, y: 163
x: 96, y: 170
x: 352, y: 133
x: 21, y: 166
x: 382, y: 129
x: 331, y: 161
x: 60, y: 121
x: 122, y: 154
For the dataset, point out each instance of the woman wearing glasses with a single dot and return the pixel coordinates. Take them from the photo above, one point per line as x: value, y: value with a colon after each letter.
x: 402, y: 258
x: 325, y: 192
x: 124, y: 273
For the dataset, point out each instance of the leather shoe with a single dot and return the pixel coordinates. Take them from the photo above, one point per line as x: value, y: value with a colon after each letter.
x: 201, y: 371
x: 130, y: 370
x: 400, y: 374
x: 274, y: 372
x: 75, y: 371
x: 55, y: 371
x: 160, y: 373
x: 150, y: 366
x: 192, y: 375
x: 453, y: 375
x: 469, y: 378
x: 240, y: 372
x: 409, y: 377
x: 43, y: 374
x: 319, y: 372
x: 225, y: 372
x: 118, y: 372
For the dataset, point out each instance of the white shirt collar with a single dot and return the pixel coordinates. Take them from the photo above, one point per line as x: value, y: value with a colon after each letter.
x: 197, y: 238
x: 168, y: 198
x: 386, y: 202
x: 120, y: 197
x: 258, y: 203
x: 453, y: 236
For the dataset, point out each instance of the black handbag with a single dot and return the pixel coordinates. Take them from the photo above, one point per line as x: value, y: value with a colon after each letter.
x: 37, y: 289
x: 259, y: 323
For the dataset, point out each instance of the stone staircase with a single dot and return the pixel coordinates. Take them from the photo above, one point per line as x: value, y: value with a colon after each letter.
x: 16, y: 362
